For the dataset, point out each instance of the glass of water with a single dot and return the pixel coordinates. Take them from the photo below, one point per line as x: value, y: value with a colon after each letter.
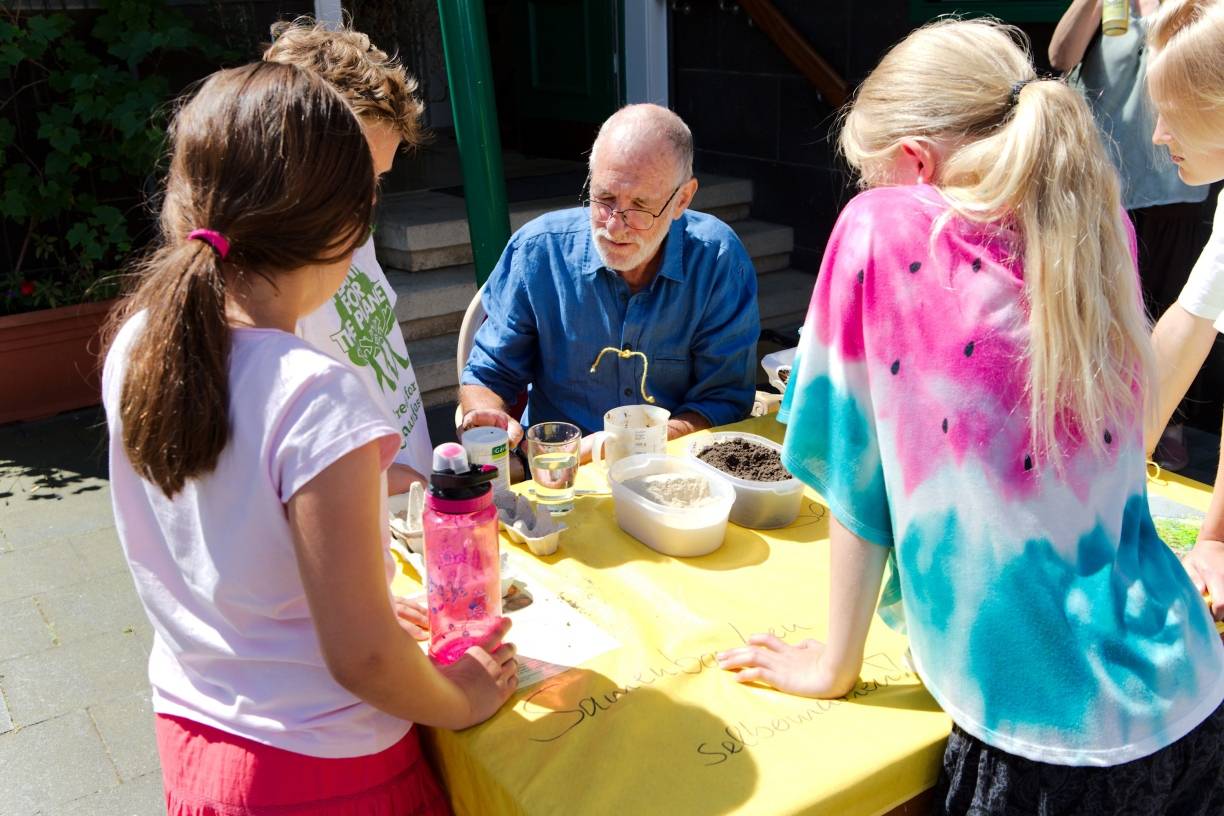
x: 553, y: 449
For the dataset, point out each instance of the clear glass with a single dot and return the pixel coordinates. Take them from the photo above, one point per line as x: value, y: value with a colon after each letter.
x: 553, y: 450
x: 463, y: 579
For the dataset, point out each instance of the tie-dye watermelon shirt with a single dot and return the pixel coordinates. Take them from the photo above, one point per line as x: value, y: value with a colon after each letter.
x: 1044, y: 613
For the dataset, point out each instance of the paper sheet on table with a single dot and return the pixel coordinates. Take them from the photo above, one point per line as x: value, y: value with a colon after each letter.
x: 552, y: 637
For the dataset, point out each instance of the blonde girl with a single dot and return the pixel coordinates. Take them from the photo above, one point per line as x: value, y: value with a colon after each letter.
x: 247, y: 473
x: 1186, y: 83
x: 967, y: 401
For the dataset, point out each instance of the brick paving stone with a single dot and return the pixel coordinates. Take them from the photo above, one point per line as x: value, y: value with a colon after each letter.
x: 139, y: 797
x: 99, y: 551
x: 126, y: 726
x: 53, y: 682
x: 27, y: 572
x: 23, y: 629
x: 107, y: 603
x: 6, y: 722
x: 53, y: 762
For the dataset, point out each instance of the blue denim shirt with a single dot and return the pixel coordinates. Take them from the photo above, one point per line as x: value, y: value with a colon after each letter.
x: 552, y: 305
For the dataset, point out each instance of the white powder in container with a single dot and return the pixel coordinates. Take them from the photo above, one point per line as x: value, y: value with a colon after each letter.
x: 673, y: 489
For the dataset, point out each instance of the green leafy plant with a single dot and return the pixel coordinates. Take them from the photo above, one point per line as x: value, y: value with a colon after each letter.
x: 83, y: 131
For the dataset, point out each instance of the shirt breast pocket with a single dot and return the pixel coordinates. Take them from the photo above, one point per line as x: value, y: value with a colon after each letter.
x: 669, y: 378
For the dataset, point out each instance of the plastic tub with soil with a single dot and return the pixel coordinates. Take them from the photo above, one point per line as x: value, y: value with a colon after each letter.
x: 766, y: 494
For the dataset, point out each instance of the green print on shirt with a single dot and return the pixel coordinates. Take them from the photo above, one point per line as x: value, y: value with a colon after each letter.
x: 366, y: 320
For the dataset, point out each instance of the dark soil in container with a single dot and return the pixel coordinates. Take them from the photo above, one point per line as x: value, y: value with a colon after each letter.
x: 784, y: 374
x: 746, y: 460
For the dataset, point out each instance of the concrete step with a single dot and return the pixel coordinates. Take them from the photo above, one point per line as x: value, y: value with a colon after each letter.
x: 763, y: 239
x: 783, y: 298
x: 433, y: 358
x: 428, y: 230
x: 432, y: 302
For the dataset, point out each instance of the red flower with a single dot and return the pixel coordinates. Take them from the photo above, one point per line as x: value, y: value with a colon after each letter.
x: 27, y: 288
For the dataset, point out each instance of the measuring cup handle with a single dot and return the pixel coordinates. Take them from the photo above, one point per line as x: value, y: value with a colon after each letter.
x: 597, y: 445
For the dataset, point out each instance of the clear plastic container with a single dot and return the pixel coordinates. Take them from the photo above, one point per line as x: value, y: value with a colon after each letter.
x: 670, y: 530
x: 774, y: 363
x: 759, y: 505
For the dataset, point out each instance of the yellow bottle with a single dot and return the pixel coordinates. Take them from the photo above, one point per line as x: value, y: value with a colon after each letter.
x: 1115, y: 17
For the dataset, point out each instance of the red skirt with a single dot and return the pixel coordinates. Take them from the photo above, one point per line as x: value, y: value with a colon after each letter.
x: 209, y: 772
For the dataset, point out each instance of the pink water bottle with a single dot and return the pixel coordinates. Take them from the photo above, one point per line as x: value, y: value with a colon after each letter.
x: 462, y: 563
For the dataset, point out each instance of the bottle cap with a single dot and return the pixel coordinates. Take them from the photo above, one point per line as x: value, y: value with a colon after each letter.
x: 454, y: 478
x: 451, y: 457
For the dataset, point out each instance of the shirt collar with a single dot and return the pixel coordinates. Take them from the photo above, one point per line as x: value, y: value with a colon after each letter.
x: 672, y: 267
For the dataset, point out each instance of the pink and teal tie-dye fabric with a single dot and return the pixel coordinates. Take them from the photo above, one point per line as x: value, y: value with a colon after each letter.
x: 1043, y: 611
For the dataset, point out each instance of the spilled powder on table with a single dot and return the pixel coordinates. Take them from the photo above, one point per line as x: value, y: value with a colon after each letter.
x: 673, y: 489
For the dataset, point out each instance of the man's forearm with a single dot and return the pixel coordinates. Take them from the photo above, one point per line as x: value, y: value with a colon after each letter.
x: 686, y: 423
x: 1181, y: 342
x: 472, y: 397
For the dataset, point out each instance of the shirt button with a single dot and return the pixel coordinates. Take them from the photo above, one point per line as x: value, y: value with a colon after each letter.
x: 628, y: 392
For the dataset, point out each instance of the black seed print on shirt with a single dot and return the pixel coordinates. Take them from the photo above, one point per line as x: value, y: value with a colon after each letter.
x: 969, y: 349
x: 896, y: 366
x: 977, y: 264
x: 945, y: 425
x: 860, y: 276
x: 1028, y: 463
x: 1108, y: 438
x: 915, y: 266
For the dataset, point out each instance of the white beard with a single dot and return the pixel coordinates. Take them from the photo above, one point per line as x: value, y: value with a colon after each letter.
x: 643, y: 253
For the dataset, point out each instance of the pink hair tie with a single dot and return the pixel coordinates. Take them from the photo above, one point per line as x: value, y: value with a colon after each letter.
x: 213, y: 238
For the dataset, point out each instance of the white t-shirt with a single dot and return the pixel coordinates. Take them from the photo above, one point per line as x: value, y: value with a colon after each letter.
x: 1203, y: 294
x: 358, y: 326
x: 234, y: 643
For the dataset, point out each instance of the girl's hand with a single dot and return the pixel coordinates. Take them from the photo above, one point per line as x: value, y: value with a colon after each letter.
x: 799, y: 669
x: 1205, y: 564
x: 487, y: 675
x: 412, y: 616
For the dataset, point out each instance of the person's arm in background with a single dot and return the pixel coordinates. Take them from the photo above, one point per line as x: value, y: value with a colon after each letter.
x: 1073, y: 34
x: 400, y: 478
x: 1181, y: 342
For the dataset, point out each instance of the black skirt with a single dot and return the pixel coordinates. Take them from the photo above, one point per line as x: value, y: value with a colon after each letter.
x: 1182, y: 779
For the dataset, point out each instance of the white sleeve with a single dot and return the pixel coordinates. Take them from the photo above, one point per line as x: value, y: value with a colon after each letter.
x: 1203, y: 294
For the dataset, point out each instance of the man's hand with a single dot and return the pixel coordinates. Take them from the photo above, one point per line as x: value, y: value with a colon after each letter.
x: 800, y: 669
x: 1205, y: 564
x: 496, y: 418
x: 685, y: 424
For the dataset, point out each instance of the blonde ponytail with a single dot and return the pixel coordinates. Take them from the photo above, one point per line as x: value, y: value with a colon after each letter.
x: 1024, y: 154
x: 1046, y: 173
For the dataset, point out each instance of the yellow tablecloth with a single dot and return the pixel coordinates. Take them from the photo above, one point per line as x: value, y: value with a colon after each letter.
x: 656, y: 727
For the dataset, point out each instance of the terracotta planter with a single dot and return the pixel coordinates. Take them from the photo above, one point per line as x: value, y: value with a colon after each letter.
x: 50, y: 360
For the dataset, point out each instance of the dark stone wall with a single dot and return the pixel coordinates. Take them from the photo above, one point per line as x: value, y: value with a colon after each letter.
x: 754, y: 116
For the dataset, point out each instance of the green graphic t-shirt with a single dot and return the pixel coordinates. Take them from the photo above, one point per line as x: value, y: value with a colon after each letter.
x: 358, y: 326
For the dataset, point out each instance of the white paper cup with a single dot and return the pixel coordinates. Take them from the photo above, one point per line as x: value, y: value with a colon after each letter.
x: 490, y: 445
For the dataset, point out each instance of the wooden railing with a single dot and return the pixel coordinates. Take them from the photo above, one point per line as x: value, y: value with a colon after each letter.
x: 798, y: 51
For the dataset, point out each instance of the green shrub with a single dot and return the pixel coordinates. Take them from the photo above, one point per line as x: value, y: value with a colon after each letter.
x: 84, y: 130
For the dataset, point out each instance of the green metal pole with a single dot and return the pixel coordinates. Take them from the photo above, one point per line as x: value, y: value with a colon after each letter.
x: 465, y: 42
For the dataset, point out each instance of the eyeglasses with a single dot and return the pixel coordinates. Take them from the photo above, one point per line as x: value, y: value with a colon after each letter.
x: 634, y: 218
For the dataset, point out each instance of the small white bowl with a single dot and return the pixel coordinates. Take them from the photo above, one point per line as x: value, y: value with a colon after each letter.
x: 673, y: 531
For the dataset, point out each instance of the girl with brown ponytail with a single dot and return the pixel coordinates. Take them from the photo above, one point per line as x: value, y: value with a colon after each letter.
x: 248, y: 478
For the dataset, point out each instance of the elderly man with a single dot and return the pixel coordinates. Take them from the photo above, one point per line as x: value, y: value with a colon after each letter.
x: 633, y: 269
